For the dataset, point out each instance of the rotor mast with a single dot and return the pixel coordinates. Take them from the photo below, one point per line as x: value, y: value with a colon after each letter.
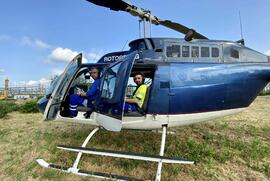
x: 144, y: 19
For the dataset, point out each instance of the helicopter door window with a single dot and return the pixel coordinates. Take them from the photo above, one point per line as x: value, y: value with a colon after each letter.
x: 205, y: 52
x: 215, y: 52
x: 185, y: 51
x: 109, y: 82
x: 195, y: 51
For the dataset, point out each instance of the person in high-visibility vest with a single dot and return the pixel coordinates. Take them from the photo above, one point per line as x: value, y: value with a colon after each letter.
x: 85, y: 99
x: 139, y: 94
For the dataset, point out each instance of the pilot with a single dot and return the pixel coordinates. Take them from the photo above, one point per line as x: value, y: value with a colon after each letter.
x: 139, y: 94
x: 85, y: 99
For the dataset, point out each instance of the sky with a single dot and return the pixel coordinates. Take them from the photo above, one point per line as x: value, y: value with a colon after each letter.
x: 39, y: 37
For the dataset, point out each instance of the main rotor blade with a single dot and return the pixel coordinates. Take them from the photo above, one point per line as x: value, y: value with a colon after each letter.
x: 116, y: 5
x: 119, y: 5
x: 190, y: 33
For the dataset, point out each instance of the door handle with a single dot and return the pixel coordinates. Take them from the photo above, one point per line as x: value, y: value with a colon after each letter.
x: 171, y: 94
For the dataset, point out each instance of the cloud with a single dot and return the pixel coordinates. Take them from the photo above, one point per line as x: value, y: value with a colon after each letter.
x: 267, y: 52
x: 41, y: 82
x: 55, y: 72
x: 63, y: 55
x: 94, y: 55
x: 36, y: 43
x: 5, y: 38
x: 2, y: 70
x: 41, y: 44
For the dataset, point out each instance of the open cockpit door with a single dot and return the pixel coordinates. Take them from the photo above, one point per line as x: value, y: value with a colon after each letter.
x: 113, y: 87
x: 57, y: 95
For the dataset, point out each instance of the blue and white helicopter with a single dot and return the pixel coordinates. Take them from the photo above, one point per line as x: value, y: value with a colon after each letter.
x: 190, y: 80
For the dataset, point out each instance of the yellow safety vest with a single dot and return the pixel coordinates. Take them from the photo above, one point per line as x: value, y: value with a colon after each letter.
x: 140, y: 94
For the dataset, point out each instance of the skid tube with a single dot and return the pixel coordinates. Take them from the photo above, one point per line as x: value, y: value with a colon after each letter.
x: 75, y: 170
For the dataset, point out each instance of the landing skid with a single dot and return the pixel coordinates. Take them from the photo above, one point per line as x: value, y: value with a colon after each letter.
x: 74, y: 169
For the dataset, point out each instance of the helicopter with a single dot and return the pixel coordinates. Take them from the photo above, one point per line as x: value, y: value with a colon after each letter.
x: 189, y: 80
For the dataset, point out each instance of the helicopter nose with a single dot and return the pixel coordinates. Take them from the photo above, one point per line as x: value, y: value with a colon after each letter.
x: 41, y: 104
x: 268, y: 75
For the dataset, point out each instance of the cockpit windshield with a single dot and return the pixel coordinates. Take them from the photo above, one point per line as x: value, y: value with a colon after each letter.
x: 52, y: 86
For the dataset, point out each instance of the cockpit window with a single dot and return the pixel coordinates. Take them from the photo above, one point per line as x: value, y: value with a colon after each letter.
x: 234, y: 53
x: 173, y: 51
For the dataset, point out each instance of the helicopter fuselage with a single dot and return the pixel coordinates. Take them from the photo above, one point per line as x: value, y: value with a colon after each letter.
x: 191, y: 81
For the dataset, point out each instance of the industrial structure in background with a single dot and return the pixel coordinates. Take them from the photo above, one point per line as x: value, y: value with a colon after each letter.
x: 31, y: 92
x: 4, y: 92
x: 22, y: 92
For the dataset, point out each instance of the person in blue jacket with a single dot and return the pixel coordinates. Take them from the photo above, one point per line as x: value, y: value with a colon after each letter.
x: 85, y: 99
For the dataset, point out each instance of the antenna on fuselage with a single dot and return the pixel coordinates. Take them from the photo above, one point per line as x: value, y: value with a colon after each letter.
x: 242, y: 41
x: 124, y: 45
x: 240, y: 21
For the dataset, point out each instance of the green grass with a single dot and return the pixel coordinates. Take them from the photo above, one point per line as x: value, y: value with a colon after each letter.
x: 29, y: 107
x: 221, y: 148
x: 10, y: 106
x: 6, y: 107
x: 263, y: 93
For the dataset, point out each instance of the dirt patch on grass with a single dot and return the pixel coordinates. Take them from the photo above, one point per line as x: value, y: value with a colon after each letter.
x: 230, y: 148
x: 236, y: 171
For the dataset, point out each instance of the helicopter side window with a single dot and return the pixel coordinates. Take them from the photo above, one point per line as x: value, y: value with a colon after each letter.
x: 173, y: 51
x: 234, y: 53
x: 109, y: 82
x: 195, y: 51
x: 185, y: 51
x: 215, y: 52
x: 205, y: 52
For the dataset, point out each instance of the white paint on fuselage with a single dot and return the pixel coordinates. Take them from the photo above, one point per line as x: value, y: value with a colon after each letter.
x: 155, y: 122
x: 150, y: 121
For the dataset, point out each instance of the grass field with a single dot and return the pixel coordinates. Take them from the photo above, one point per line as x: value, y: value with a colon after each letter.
x: 231, y: 148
